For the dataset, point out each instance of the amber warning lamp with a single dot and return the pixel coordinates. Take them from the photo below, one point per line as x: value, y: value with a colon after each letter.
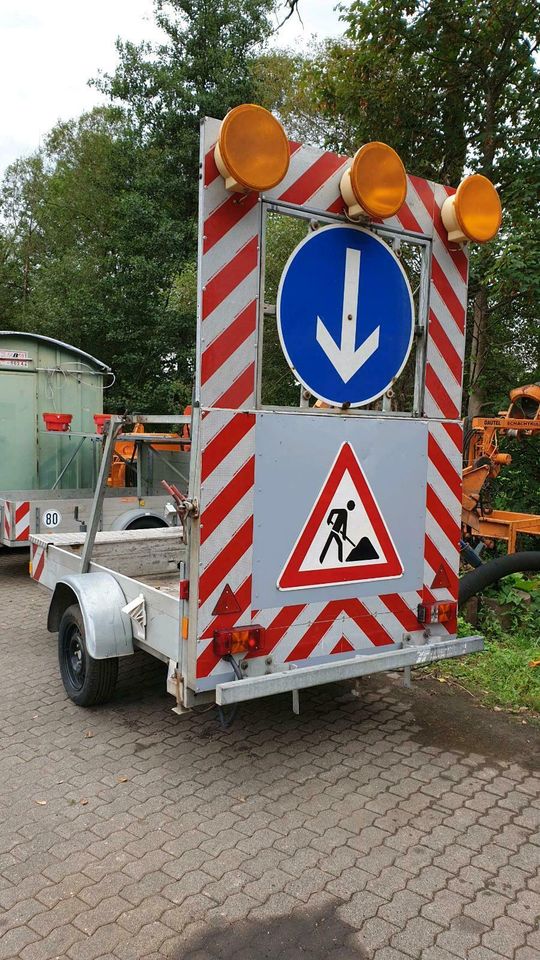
x: 375, y: 185
x: 252, y: 152
x: 473, y: 212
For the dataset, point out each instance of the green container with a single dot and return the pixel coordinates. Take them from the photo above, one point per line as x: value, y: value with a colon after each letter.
x: 39, y: 375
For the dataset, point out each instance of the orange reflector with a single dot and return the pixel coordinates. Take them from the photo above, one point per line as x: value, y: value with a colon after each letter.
x: 227, y: 603
x: 185, y: 627
x: 376, y: 182
x: 447, y: 611
x: 252, y: 152
x: 436, y: 612
x: 239, y: 640
x: 474, y: 212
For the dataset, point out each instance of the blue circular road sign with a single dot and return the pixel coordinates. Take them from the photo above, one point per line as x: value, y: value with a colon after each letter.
x: 345, y: 315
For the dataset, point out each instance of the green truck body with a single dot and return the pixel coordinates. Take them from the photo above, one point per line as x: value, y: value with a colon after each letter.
x: 39, y: 375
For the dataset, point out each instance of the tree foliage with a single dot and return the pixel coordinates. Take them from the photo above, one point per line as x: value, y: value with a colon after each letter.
x: 99, y: 227
x: 453, y: 86
x: 93, y: 253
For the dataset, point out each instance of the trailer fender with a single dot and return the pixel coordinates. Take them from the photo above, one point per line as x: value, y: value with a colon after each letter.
x: 126, y: 520
x: 100, y: 598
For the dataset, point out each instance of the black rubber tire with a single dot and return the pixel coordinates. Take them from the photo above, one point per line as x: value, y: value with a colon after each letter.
x: 86, y: 681
x: 147, y: 523
x: 528, y: 561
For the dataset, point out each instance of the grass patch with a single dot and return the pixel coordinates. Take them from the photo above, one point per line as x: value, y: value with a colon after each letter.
x: 502, y: 676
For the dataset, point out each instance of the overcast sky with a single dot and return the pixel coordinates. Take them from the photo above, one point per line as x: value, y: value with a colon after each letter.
x: 50, y: 48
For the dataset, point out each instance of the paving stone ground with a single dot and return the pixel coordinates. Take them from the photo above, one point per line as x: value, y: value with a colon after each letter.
x: 381, y: 823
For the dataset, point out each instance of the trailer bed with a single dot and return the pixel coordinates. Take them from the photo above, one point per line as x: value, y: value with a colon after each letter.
x: 144, y: 563
x: 166, y: 583
x: 151, y: 556
x: 76, y: 540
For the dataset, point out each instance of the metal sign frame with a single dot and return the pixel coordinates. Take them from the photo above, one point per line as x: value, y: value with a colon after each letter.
x: 395, y: 238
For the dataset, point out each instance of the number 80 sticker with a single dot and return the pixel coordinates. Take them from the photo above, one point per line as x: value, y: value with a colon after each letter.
x: 51, y: 518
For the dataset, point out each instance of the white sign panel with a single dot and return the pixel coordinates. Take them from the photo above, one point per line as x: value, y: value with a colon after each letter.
x: 14, y: 358
x: 339, y: 508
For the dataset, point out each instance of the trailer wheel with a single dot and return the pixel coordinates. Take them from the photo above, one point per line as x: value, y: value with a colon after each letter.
x: 147, y: 523
x: 86, y: 681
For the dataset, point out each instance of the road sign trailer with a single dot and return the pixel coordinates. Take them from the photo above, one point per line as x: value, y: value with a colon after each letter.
x: 212, y: 598
x: 139, y: 570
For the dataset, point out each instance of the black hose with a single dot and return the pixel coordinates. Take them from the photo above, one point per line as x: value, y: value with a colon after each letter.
x: 237, y: 672
x: 477, y: 580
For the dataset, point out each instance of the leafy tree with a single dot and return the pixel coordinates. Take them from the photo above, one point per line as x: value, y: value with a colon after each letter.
x: 20, y: 237
x: 278, y: 385
x: 99, y: 227
x: 202, y: 69
x: 453, y: 85
x: 284, y: 84
x: 93, y: 254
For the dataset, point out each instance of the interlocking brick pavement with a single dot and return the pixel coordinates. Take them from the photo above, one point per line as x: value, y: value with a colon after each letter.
x: 380, y: 824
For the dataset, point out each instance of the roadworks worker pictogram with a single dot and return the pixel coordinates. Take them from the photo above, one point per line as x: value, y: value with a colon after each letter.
x: 363, y: 550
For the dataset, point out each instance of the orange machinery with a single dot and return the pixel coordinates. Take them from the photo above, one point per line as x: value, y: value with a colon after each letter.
x: 125, y: 451
x: 483, y: 461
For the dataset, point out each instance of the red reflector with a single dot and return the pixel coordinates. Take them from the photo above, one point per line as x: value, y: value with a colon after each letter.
x: 436, y: 612
x: 227, y: 603
x: 239, y: 640
x: 184, y: 589
x: 222, y: 642
x: 440, y: 580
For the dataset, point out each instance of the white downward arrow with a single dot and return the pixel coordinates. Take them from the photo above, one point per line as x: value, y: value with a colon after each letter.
x: 345, y: 358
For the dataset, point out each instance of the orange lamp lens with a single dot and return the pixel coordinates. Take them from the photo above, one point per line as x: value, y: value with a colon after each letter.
x: 478, y: 208
x: 378, y: 180
x: 254, y: 147
x: 238, y: 640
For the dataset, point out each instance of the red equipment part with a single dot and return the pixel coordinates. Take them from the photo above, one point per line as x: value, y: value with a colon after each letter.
x: 57, y: 422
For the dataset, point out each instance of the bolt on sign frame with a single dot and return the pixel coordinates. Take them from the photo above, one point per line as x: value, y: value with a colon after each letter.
x: 233, y: 435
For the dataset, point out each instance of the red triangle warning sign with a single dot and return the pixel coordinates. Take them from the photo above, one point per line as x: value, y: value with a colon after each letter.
x: 441, y: 579
x: 227, y: 603
x: 345, y: 538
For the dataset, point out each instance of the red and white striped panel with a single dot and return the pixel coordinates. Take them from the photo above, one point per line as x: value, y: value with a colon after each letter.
x: 447, y: 297
x: 226, y: 529
x: 300, y: 632
x: 38, y: 555
x: 443, y: 514
x: 6, y: 522
x: 229, y: 274
x: 16, y: 521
